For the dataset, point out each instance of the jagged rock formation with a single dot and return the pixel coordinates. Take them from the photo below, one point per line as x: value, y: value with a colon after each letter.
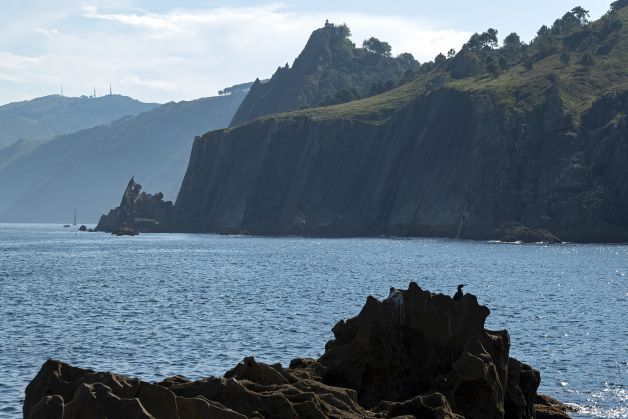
x: 330, y: 69
x: 439, y: 346
x: 414, y: 354
x: 138, y: 212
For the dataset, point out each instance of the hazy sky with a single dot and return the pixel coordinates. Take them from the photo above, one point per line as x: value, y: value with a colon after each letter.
x: 157, y: 50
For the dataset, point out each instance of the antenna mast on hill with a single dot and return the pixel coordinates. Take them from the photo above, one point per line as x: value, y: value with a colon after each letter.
x: 61, y: 90
x: 110, y: 93
x: 94, y: 93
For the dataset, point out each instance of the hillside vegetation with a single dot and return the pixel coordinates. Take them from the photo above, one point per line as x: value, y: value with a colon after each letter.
x: 582, y: 59
x: 329, y: 70
x: 45, y: 117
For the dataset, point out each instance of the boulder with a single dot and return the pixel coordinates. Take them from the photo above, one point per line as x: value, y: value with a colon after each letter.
x: 520, y: 233
x: 546, y: 407
x: 415, y: 342
x: 125, y: 230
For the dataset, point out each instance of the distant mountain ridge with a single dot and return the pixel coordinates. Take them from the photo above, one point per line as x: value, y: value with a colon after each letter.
x: 86, y: 169
x: 46, y: 117
x: 329, y: 70
x: 17, y: 149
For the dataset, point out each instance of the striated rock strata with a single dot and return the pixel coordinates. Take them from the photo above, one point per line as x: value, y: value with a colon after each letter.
x: 414, y: 354
x: 450, y: 163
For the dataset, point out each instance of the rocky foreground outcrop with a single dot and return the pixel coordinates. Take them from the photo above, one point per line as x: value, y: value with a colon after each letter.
x: 414, y: 354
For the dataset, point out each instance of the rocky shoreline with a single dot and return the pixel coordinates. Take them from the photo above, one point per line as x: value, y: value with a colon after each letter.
x: 140, y: 212
x: 414, y: 354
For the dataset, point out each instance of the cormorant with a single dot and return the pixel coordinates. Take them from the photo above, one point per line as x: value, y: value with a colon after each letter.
x: 458, y: 295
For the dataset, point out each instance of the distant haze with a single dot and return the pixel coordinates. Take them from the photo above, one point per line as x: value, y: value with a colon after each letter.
x: 151, y: 51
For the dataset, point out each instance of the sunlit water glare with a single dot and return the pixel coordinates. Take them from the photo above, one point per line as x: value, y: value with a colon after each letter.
x: 157, y: 305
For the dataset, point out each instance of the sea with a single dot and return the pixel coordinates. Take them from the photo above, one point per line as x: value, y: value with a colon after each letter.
x: 158, y: 305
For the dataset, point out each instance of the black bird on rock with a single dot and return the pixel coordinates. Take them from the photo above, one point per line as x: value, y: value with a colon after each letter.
x: 458, y: 295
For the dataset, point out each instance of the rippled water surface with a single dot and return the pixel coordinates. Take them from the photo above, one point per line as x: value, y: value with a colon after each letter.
x: 157, y: 305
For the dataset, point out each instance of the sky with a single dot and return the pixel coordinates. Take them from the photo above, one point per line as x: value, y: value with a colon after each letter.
x: 161, y: 51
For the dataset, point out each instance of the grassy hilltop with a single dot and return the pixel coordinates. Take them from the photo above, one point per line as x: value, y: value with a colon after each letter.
x: 582, y: 59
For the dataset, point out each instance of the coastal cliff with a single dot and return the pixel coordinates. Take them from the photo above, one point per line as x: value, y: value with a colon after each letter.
x: 533, y: 151
x: 449, y: 163
x: 414, y: 354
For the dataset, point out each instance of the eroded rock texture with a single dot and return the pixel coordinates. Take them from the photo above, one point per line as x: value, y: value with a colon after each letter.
x: 414, y: 354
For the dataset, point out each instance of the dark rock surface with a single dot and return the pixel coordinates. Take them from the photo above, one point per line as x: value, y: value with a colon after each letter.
x: 523, y: 234
x: 547, y: 407
x: 450, y: 163
x: 125, y: 230
x: 137, y: 212
x: 414, y: 354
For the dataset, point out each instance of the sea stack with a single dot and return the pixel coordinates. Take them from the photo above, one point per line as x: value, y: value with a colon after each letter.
x: 137, y: 212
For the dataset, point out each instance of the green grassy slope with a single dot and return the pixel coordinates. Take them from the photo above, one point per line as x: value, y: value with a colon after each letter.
x: 516, y: 86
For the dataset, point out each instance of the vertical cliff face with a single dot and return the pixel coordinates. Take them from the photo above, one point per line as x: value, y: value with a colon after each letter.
x: 449, y: 163
x: 328, y: 65
x: 338, y: 177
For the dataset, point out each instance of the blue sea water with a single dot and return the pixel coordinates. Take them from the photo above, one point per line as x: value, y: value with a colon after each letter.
x: 157, y: 305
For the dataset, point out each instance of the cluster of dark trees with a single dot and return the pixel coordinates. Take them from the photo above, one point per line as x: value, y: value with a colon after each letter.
x: 238, y: 88
x: 381, y: 52
x: 572, y: 32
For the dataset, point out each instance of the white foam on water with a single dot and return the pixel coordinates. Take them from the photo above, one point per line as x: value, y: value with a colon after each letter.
x: 611, y: 403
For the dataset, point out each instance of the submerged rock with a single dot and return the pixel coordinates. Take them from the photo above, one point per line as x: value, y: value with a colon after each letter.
x: 125, y: 230
x: 520, y: 233
x: 414, y: 354
x: 547, y: 407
